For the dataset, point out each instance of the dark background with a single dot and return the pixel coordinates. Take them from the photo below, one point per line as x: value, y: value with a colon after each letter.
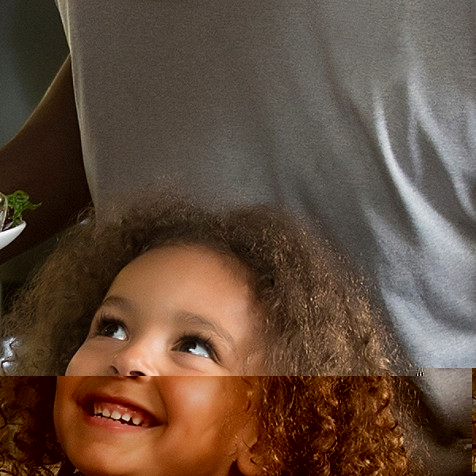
x: 32, y: 49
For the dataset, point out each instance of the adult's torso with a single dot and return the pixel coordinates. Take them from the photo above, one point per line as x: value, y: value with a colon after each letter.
x: 360, y: 113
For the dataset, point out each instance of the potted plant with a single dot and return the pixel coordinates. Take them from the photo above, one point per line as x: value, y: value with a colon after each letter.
x: 11, y: 221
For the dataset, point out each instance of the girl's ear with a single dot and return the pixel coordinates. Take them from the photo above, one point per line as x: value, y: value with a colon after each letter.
x: 247, y: 466
x: 247, y: 461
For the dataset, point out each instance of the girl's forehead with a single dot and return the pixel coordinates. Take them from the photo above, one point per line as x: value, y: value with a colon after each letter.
x: 191, y: 277
x: 198, y: 254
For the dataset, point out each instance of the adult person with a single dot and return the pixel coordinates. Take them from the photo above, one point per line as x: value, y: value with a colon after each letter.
x: 359, y: 112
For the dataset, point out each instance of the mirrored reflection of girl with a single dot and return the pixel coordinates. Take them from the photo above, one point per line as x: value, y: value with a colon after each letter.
x: 214, y: 426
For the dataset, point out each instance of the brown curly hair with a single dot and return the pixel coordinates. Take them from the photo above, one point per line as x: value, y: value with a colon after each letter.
x: 306, y: 426
x: 316, y: 317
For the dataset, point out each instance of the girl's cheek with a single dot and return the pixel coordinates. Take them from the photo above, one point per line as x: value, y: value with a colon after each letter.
x: 88, y: 360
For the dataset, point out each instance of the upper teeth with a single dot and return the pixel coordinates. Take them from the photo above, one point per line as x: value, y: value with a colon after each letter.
x: 116, y: 415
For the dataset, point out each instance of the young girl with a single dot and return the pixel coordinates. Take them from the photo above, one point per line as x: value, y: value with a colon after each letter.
x: 216, y: 426
x: 167, y: 288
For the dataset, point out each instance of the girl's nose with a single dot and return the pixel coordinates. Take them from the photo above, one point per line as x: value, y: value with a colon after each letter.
x: 135, y: 362
x: 136, y: 373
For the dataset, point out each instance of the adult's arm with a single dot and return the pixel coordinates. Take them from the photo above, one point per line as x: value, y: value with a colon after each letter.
x: 44, y: 159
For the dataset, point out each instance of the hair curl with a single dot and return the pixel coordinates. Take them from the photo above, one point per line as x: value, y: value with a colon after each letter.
x: 314, y: 312
x: 331, y: 426
x: 28, y: 444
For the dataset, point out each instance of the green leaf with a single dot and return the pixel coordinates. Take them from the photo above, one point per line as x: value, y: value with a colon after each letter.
x: 19, y: 201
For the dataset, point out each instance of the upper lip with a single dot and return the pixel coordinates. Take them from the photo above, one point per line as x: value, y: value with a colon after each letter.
x: 87, y: 400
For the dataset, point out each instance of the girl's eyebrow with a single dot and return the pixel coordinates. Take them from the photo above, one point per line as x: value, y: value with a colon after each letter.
x: 188, y: 318
x: 122, y: 303
x: 207, y: 324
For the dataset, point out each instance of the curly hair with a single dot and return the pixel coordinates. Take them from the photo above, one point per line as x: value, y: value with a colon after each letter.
x: 306, y: 426
x: 316, y: 316
x: 28, y: 444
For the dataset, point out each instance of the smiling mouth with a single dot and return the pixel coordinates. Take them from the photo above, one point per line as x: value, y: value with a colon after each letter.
x: 117, y: 412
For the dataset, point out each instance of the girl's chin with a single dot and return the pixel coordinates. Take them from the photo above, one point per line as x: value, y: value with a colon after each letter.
x: 104, y: 460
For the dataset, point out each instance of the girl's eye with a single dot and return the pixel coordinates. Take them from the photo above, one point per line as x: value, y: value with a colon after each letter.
x: 112, y: 328
x: 197, y: 346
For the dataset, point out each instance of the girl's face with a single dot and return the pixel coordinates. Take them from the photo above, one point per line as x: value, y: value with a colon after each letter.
x: 154, y: 426
x: 176, y: 310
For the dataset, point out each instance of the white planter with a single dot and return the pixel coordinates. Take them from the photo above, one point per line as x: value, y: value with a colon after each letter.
x: 7, y: 236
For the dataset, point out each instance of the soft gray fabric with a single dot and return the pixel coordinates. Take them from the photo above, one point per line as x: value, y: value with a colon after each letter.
x: 362, y: 113
x: 446, y: 408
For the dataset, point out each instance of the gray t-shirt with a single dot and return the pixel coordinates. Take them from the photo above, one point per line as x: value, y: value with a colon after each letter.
x: 361, y: 113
